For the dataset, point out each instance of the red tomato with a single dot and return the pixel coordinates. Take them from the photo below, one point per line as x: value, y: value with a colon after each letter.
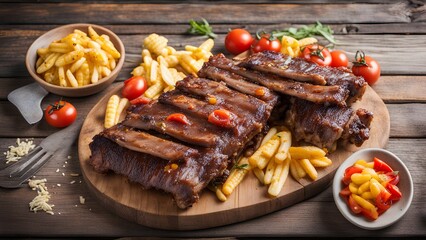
x: 394, y: 191
x: 372, y: 215
x: 134, y: 87
x: 380, y: 166
x: 317, y: 54
x: 345, y: 192
x: 178, y: 117
x: 265, y: 43
x: 238, y: 40
x: 348, y: 173
x: 338, y: 59
x: 220, y: 117
x: 61, y: 114
x: 382, y: 200
x: 353, y: 205
x: 366, y: 67
x: 389, y: 178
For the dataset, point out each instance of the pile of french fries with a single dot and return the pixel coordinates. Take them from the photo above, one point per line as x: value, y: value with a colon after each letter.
x: 78, y: 59
x: 272, y: 162
x: 162, y: 65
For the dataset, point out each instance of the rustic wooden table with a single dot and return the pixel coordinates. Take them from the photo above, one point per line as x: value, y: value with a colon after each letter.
x: 394, y: 32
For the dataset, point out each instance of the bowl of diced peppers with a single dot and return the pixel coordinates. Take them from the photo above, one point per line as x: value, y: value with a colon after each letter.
x: 373, y: 188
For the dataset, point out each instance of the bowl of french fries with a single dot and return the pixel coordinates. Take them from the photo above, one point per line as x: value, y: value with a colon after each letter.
x: 76, y: 60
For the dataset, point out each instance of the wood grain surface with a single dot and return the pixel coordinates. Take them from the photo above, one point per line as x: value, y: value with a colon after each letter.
x: 157, y: 210
x: 393, y: 31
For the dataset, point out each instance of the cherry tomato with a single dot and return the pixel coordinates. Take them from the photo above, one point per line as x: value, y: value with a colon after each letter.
x: 338, y: 59
x: 61, y: 114
x: 265, y: 43
x: 317, y: 54
x: 354, y: 206
x: 221, y: 117
x: 134, y: 87
x: 178, y: 117
x: 348, y: 173
x: 382, y: 200
x: 238, y: 40
x: 345, y: 192
x: 394, y: 191
x: 366, y: 67
x: 380, y: 166
x: 389, y: 178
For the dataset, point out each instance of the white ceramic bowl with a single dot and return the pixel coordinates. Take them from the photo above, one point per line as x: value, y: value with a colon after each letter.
x: 397, y: 210
x: 60, y: 32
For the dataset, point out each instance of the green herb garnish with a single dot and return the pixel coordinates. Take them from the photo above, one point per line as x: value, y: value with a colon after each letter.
x: 304, y: 31
x: 201, y: 28
x: 242, y: 166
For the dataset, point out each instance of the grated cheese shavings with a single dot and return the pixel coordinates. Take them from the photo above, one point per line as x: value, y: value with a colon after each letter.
x: 40, y: 202
x: 17, y: 152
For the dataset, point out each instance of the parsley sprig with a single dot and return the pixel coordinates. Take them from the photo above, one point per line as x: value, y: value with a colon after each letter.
x: 304, y: 31
x: 201, y: 28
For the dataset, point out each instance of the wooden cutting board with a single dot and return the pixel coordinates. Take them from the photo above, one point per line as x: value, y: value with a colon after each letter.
x: 156, y: 209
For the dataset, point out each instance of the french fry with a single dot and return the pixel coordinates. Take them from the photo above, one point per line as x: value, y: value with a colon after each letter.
x: 285, y: 144
x: 321, y: 162
x: 155, y: 43
x: 153, y: 75
x: 308, y: 152
x: 138, y: 71
x: 123, y: 104
x: 259, y: 174
x: 271, y: 149
x: 154, y: 89
x: 236, y: 176
x: 166, y: 75
x: 279, y: 178
x: 310, y: 170
x: 76, y: 65
x: 259, y: 159
x: 111, y: 111
x: 272, y: 131
x: 48, y: 63
x: 293, y: 170
x: 207, y: 45
x: 71, y: 79
x: 95, y: 74
x: 62, y: 80
x: 270, y: 169
x: 300, y: 171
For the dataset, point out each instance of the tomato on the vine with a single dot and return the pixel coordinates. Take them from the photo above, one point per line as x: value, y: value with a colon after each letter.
x: 317, y: 54
x: 134, y: 87
x: 338, y: 59
x: 61, y: 114
x: 238, y: 40
x: 366, y: 67
x: 266, y: 43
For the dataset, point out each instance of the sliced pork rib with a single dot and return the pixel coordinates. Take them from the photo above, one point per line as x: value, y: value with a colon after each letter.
x: 323, y: 126
x: 335, y: 95
x: 184, y: 182
x: 301, y: 70
x: 201, y: 150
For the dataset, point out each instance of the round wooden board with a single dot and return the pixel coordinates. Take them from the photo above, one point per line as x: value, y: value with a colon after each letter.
x: 156, y: 209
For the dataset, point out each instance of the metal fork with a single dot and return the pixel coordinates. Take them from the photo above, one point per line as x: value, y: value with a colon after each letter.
x: 13, y: 176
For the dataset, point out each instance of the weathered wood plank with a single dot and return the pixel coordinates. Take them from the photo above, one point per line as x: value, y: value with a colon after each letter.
x: 90, y: 219
x: 398, y: 89
x: 339, y: 29
x: 215, y: 13
x: 397, y: 54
